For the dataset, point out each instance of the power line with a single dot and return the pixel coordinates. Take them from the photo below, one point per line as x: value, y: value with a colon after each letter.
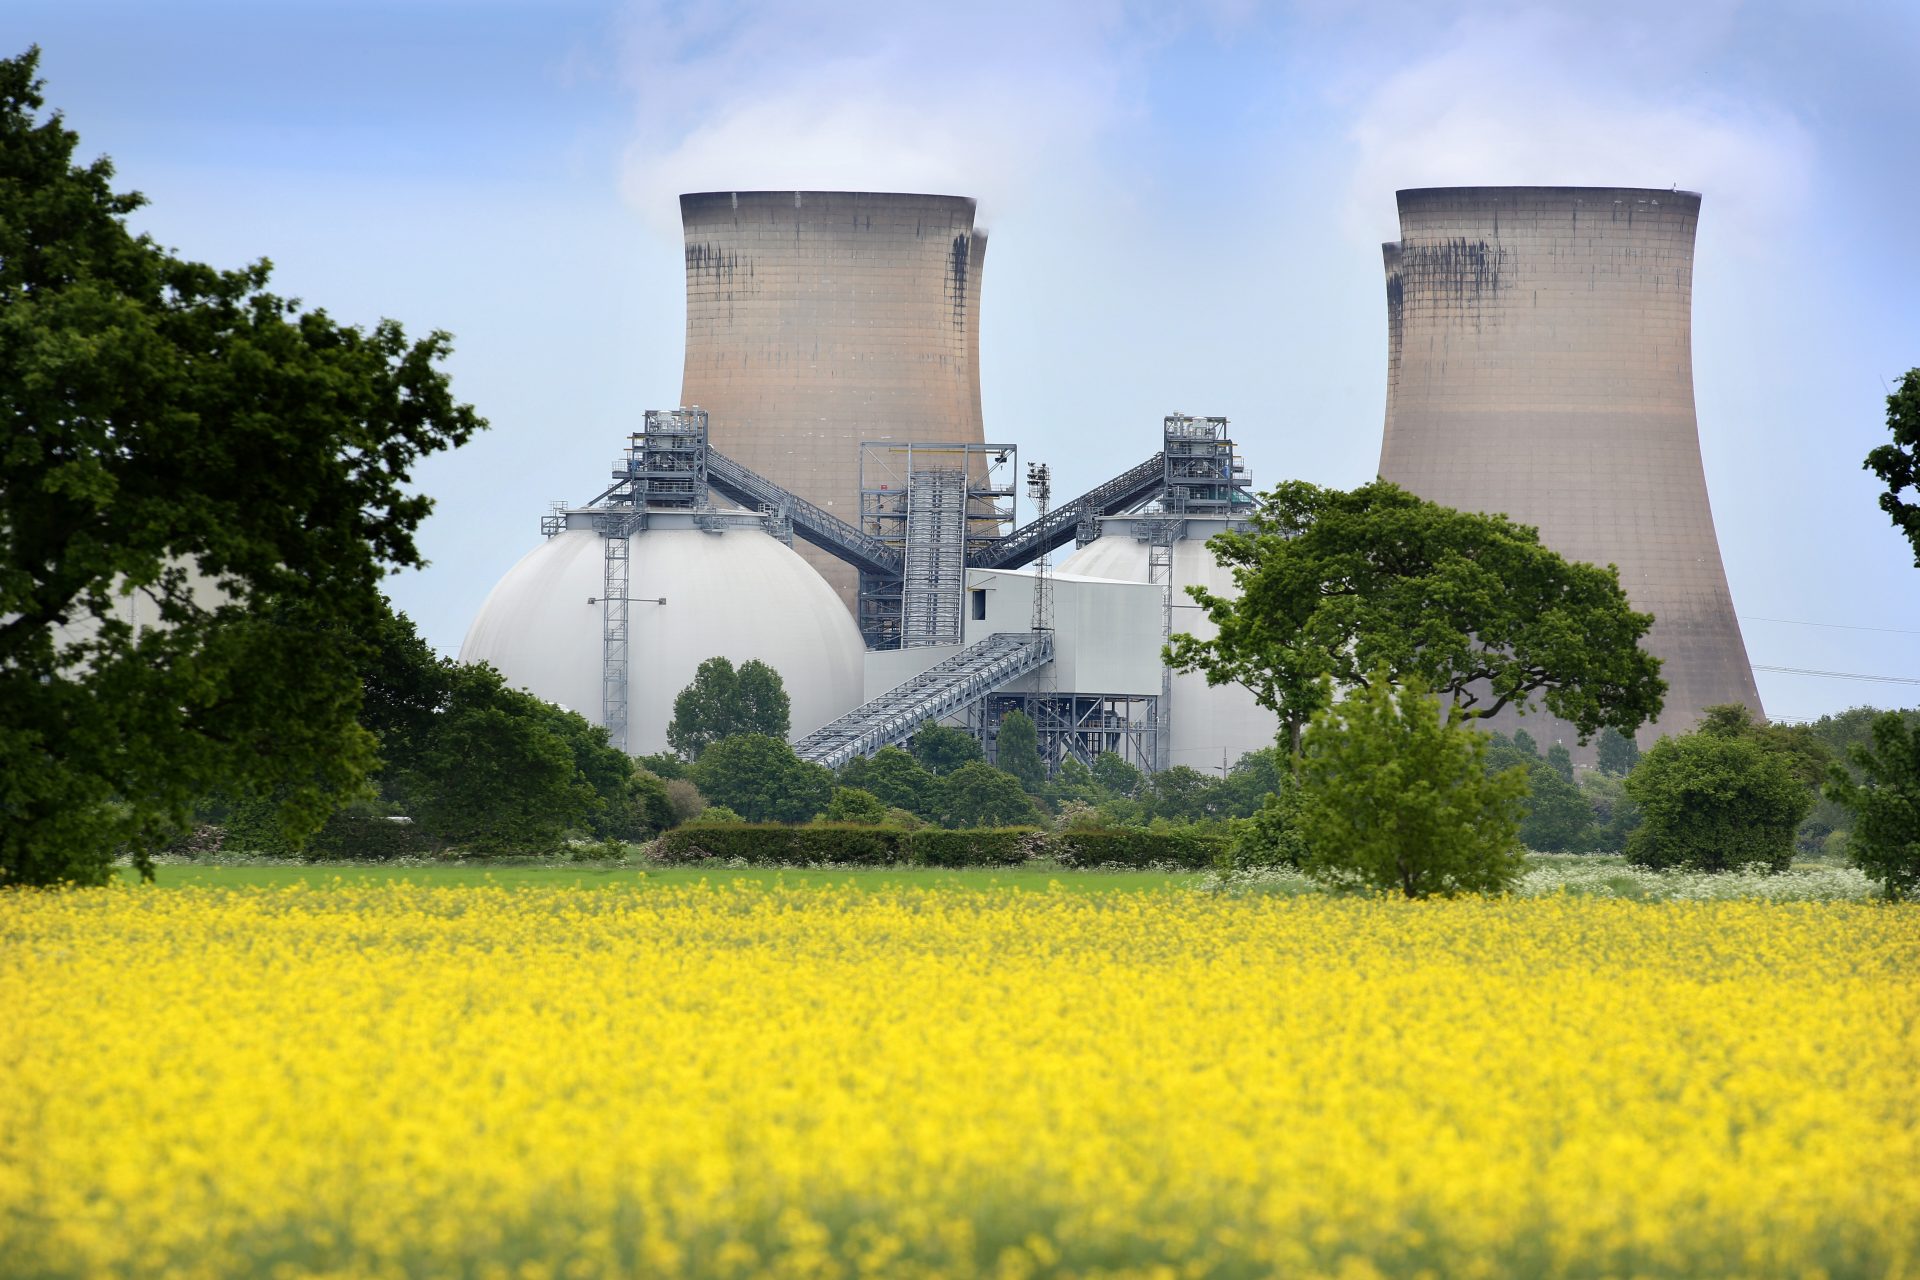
x: 1840, y: 675
x: 1837, y: 626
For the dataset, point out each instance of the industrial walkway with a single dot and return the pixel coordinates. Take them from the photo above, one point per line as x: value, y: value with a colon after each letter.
x: 939, y: 691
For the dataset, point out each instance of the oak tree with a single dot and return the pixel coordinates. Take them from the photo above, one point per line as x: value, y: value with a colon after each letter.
x: 1350, y: 584
x: 1897, y: 463
x: 201, y: 487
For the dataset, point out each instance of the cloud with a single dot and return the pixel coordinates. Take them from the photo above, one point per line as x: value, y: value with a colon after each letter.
x: 869, y: 95
x: 1549, y: 99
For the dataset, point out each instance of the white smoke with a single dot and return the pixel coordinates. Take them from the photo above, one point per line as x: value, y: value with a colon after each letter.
x: 1595, y: 97
x: 868, y: 95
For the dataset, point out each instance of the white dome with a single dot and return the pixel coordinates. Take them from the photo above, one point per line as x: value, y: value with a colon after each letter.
x: 738, y: 594
x: 1207, y: 719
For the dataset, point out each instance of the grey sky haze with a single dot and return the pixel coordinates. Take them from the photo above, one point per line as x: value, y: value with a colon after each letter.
x: 1186, y: 205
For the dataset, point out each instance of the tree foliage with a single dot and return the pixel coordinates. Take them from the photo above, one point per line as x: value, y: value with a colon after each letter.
x: 722, y: 701
x: 189, y: 448
x: 1350, y: 584
x: 1395, y: 796
x: 1617, y: 752
x: 760, y: 778
x: 1714, y: 801
x: 898, y: 780
x: 495, y: 776
x: 1885, y: 803
x: 852, y: 804
x: 1897, y: 463
x: 941, y: 749
x: 979, y: 795
x: 1112, y: 773
x: 1018, y: 750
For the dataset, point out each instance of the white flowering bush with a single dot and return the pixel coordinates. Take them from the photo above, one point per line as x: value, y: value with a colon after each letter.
x: 1608, y: 877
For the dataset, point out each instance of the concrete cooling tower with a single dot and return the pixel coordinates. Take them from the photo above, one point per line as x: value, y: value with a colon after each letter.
x: 1540, y: 365
x: 820, y: 319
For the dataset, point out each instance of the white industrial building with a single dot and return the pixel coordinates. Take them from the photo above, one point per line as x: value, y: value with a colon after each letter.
x: 962, y: 617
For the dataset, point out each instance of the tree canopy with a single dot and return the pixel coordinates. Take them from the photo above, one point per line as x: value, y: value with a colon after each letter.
x: 1346, y: 584
x: 979, y: 795
x: 1396, y: 797
x: 1715, y: 801
x: 760, y: 778
x: 722, y: 701
x: 200, y: 490
x: 941, y: 749
x: 1885, y: 802
x: 1897, y: 463
x: 1019, y: 750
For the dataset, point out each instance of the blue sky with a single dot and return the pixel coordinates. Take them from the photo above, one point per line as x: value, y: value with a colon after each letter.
x: 1186, y: 205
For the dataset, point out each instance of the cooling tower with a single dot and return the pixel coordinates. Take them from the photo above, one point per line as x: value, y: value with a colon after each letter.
x: 1540, y: 365
x: 819, y: 319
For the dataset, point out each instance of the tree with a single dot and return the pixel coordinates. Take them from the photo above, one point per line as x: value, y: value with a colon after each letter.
x: 1558, y: 817
x: 1113, y: 775
x: 648, y: 809
x: 979, y: 795
x: 1614, y: 814
x: 1897, y: 464
x: 721, y: 702
x: 1797, y: 744
x: 189, y: 447
x: 941, y: 749
x: 1019, y: 750
x: 1560, y: 761
x: 494, y: 774
x: 1254, y: 777
x: 1346, y: 585
x: 1714, y: 802
x: 764, y: 705
x: 1395, y: 796
x: 761, y: 779
x: 1885, y: 803
x: 851, y: 804
x: 1617, y: 752
x: 897, y: 780
x: 1182, y: 794
x: 1273, y: 835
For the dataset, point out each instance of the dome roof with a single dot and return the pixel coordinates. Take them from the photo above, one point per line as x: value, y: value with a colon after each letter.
x: 1208, y: 720
x: 738, y: 594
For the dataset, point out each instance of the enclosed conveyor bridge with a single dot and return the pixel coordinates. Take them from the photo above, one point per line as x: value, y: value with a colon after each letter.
x: 814, y: 524
x: 942, y: 690
x: 1074, y: 520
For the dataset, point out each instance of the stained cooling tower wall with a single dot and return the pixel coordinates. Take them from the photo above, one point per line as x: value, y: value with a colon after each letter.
x: 819, y: 319
x: 1540, y: 365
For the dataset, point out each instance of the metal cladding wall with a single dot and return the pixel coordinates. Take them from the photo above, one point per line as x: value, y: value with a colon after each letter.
x: 1540, y: 364
x: 819, y: 319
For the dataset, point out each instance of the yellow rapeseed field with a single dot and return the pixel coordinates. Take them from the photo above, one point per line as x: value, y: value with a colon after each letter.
x: 723, y: 1081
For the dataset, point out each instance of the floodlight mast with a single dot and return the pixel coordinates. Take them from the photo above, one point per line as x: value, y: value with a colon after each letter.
x: 1040, y: 489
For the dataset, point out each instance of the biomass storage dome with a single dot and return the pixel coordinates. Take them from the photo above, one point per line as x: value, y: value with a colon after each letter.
x: 1210, y: 723
x: 736, y: 593
x: 817, y: 320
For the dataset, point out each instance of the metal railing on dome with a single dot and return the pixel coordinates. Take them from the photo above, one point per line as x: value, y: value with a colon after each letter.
x: 941, y: 690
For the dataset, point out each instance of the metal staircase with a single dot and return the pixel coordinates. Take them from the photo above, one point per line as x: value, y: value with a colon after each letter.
x: 939, y: 691
x: 1063, y: 524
